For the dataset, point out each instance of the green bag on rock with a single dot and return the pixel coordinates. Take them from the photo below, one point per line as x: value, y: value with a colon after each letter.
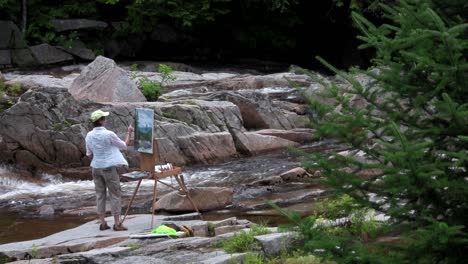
x: 164, y: 230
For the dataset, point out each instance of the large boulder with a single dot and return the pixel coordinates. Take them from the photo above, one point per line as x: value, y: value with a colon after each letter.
x: 10, y: 36
x: 252, y: 143
x: 47, y: 54
x: 79, y: 51
x: 259, y: 111
x: 205, y: 198
x: 5, y: 57
x: 45, y: 131
x: 75, y: 24
x: 22, y: 57
x: 103, y: 81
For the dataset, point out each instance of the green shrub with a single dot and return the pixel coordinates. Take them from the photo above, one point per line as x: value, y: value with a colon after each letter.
x: 253, y: 258
x: 298, y: 259
x: 211, y: 227
x: 14, y: 89
x: 167, y: 73
x: 150, y: 89
x: 134, y: 67
x: 245, y: 241
x: 153, y: 89
x: 258, y: 230
x: 240, y: 242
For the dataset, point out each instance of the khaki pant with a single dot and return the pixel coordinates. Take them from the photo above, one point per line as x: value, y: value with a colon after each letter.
x: 107, y: 177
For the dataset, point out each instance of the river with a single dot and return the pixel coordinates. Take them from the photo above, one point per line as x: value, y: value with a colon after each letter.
x: 21, y: 199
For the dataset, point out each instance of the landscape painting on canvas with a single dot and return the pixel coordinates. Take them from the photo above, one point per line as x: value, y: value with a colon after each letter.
x: 144, y: 125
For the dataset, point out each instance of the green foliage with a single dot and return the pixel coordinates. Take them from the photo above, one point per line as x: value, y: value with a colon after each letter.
x: 167, y: 74
x: 10, y: 9
x: 144, y: 15
x: 211, y: 226
x: 153, y: 89
x: 34, y: 251
x: 41, y: 12
x: 245, y: 241
x: 172, y: 115
x: 63, y: 124
x: 240, y: 242
x: 253, y: 258
x: 344, y: 244
x: 133, y: 246
x: 298, y: 258
x: 333, y: 208
x: 14, y: 89
x: 134, y: 67
x: 150, y: 89
x: 411, y: 129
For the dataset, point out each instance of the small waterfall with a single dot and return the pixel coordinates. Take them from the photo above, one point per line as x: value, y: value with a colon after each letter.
x: 14, y: 187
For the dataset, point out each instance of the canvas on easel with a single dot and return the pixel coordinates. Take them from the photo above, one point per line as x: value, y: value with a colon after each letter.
x: 144, y: 130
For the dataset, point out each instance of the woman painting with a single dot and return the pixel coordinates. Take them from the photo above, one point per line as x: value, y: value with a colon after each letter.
x: 103, y: 147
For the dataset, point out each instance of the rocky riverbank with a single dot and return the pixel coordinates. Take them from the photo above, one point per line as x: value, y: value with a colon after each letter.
x: 202, y: 118
x: 84, y: 244
x: 230, y: 131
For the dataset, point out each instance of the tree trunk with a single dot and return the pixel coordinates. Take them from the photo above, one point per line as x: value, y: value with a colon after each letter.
x: 24, y: 9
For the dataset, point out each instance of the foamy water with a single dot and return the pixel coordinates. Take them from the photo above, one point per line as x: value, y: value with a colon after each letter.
x: 13, y: 188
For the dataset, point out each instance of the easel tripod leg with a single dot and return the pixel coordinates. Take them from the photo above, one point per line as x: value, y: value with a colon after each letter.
x: 131, y: 201
x: 185, y: 190
x: 154, y: 201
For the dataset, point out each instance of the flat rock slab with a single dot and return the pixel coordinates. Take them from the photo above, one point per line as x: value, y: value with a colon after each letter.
x: 95, y: 253
x: 74, y: 240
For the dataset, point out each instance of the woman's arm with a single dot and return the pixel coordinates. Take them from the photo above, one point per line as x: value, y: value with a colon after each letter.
x: 129, y: 134
x: 115, y: 140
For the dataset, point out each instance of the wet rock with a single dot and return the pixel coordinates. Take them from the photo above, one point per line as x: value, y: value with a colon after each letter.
x: 226, y: 259
x: 113, y: 251
x: 33, y: 261
x: 261, y: 81
x: 258, y: 112
x: 32, y: 81
x: 229, y: 229
x: 280, y: 198
x: 207, y: 147
x: 5, y: 57
x: 47, y: 54
x: 205, y: 198
x: 252, y: 143
x: 22, y: 57
x: 225, y: 222
x: 273, y: 180
x: 80, y: 52
x: 103, y: 81
x: 299, y: 135
x: 296, y: 174
x: 89, y: 210
x: 46, y: 210
x: 275, y: 244
x: 10, y: 36
x: 75, y: 24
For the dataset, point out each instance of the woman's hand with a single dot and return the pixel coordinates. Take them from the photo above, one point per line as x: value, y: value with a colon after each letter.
x: 129, y: 134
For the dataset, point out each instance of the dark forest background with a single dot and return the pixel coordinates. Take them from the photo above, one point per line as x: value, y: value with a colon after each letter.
x: 279, y: 32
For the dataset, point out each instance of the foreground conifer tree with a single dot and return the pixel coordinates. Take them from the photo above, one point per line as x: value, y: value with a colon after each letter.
x: 406, y: 125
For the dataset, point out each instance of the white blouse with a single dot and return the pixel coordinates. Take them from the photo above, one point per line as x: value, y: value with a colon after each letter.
x: 105, y: 147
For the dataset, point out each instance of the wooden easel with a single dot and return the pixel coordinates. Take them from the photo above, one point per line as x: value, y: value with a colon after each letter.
x: 147, y: 164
